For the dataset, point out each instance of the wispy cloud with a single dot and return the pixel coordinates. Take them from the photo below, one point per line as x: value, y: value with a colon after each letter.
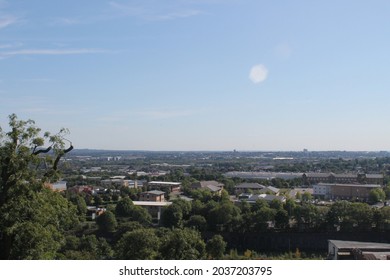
x: 7, y: 20
x: 174, y: 15
x: 258, y: 73
x: 147, y: 10
x: 50, y: 52
x: 10, y: 46
x: 154, y: 12
x: 38, y: 80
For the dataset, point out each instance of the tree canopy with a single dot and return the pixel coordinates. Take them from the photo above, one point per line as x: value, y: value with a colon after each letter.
x: 33, y: 218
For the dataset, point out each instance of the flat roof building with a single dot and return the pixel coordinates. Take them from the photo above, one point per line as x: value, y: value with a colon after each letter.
x: 355, y: 250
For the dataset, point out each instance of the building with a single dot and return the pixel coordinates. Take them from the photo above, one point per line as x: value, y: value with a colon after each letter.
x: 116, y: 181
x: 343, y: 191
x: 135, y: 184
x: 167, y: 187
x: 295, y: 191
x: 252, y: 198
x: 354, y: 250
x: 59, y: 186
x: 154, y: 208
x: 255, y: 188
x: 82, y: 189
x: 213, y: 186
x: 156, y: 196
x: 345, y: 178
x: 263, y: 175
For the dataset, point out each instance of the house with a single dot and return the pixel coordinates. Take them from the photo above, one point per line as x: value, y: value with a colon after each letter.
x: 354, y: 250
x: 167, y: 187
x: 213, y: 186
x: 155, y: 195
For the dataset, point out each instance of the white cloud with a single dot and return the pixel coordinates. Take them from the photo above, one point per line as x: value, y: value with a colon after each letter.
x: 50, y: 52
x: 151, y: 12
x: 6, y: 21
x: 258, y: 73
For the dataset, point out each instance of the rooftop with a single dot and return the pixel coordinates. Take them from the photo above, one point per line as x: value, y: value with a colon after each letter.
x: 152, y: 203
x: 164, y: 183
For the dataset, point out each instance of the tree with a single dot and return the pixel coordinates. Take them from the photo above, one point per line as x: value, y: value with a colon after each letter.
x: 223, y: 215
x: 387, y: 191
x: 141, y: 215
x: 216, y: 247
x: 281, y: 218
x: 107, y: 222
x: 33, y: 219
x: 348, y: 216
x: 172, y: 216
x: 376, y: 195
x: 88, y: 247
x: 197, y: 222
x: 306, y: 196
x: 276, y: 204
x: 262, y: 217
x: 124, y: 207
x: 140, y: 244
x: 81, y: 205
x: 182, y: 244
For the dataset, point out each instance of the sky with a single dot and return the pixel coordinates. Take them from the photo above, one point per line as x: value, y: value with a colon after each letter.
x: 200, y: 74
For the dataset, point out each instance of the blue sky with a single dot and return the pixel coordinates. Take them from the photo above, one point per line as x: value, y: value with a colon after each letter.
x: 200, y: 74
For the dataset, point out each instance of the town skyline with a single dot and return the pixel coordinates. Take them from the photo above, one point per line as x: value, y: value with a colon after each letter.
x: 205, y: 75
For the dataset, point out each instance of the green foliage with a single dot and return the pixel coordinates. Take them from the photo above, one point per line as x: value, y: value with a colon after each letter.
x: 387, y: 191
x: 377, y: 195
x: 124, y: 207
x: 306, y: 196
x: 107, y: 222
x: 182, y: 244
x: 33, y: 218
x: 350, y: 215
x: 216, y: 247
x: 281, y: 219
x: 34, y: 241
x: 197, y: 222
x: 223, y: 216
x: 262, y: 217
x: 126, y: 227
x: 276, y: 204
x: 140, y: 244
x: 86, y: 248
x: 141, y: 215
x: 80, y: 204
x: 172, y: 216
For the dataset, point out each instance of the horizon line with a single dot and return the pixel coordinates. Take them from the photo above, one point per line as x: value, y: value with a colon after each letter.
x: 234, y: 150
